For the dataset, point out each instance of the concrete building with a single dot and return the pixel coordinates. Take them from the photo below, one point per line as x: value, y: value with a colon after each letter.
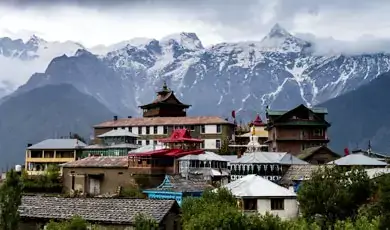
x: 258, y: 195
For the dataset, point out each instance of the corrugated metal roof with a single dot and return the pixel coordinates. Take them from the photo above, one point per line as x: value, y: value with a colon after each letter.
x: 376, y: 172
x: 256, y: 186
x: 206, y: 156
x: 268, y: 158
x: 357, y: 159
x: 151, y: 121
x: 58, y: 144
x: 118, y: 133
x: 148, y: 148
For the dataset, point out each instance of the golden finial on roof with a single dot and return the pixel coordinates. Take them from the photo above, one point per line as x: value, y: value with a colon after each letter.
x: 165, y: 87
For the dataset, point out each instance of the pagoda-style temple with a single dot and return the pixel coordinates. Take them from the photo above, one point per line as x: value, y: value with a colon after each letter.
x: 177, y: 187
x: 165, y: 105
x: 164, y: 161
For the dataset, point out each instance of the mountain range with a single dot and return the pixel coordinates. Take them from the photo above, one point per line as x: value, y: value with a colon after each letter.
x: 281, y: 71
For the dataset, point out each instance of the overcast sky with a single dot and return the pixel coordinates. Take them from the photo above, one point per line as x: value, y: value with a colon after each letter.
x: 363, y: 22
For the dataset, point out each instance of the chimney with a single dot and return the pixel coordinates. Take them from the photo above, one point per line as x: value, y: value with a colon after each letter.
x: 115, y: 118
x: 129, y: 116
x: 29, y: 145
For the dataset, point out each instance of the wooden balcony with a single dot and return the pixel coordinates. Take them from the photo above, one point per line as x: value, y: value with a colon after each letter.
x: 48, y: 160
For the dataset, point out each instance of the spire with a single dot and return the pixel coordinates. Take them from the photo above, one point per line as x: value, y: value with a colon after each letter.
x: 164, y: 89
x: 258, y: 121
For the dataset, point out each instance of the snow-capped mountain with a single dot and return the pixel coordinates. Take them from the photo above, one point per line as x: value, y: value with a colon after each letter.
x: 18, y: 59
x: 280, y: 70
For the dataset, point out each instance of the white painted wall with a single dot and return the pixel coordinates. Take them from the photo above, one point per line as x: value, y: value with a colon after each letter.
x: 210, y: 143
x: 290, y: 208
x: 210, y: 129
x: 135, y: 130
x: 160, y: 130
x: 143, y: 130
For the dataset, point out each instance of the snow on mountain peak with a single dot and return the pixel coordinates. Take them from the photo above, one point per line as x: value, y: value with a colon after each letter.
x: 280, y: 40
x: 278, y: 31
x: 35, y: 41
x: 187, y: 40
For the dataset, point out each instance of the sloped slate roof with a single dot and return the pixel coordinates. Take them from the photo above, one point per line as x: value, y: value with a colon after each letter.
x: 58, y: 144
x: 357, y: 159
x: 256, y: 186
x: 118, y: 133
x: 150, y: 121
x: 99, y: 162
x: 268, y: 158
x: 300, y: 172
x: 116, y: 211
x: 310, y: 151
x: 177, y: 183
x: 206, y: 156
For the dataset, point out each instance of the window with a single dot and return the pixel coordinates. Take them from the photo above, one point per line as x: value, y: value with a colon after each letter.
x: 140, y: 130
x: 202, y: 144
x: 318, y: 132
x: 250, y: 204
x: 155, y: 142
x: 147, y: 130
x: 192, y: 127
x: 219, y: 130
x: 130, y: 129
x: 165, y: 129
x: 277, y: 204
x: 218, y: 144
x: 202, y: 129
x: 147, y: 142
x: 139, y: 142
x: 155, y: 129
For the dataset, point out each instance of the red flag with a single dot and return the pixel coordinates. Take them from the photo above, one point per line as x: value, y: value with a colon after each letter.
x: 234, y: 114
x: 346, y: 152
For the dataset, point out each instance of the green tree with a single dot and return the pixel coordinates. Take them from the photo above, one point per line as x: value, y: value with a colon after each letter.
x: 10, y: 200
x: 144, y: 222
x: 78, y: 137
x: 334, y: 194
x: 224, y: 149
x: 76, y: 223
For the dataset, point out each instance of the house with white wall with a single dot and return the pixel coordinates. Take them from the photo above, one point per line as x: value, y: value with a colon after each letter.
x: 256, y: 194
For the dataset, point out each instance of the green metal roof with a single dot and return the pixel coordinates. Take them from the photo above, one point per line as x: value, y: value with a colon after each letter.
x: 281, y: 112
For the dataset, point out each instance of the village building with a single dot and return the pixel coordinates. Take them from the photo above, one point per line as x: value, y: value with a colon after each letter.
x: 258, y: 195
x: 358, y: 159
x: 36, y: 211
x: 175, y: 187
x: 296, y: 174
x: 212, y: 167
x: 318, y: 155
x: 96, y: 175
x: 165, y: 114
x: 51, y: 152
x: 296, y: 130
x: 165, y: 160
x: 257, y: 129
x: 112, y: 143
x: 370, y: 153
x: 270, y: 165
x: 373, y: 173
